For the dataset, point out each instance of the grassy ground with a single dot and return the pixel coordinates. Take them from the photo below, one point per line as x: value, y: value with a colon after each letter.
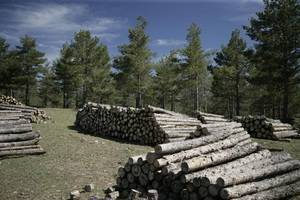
x: 73, y: 160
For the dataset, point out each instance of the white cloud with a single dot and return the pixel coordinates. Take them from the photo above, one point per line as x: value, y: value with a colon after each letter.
x: 168, y: 42
x: 53, y: 24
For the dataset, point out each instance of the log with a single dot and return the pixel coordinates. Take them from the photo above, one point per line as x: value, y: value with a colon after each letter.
x: 258, y: 186
x: 21, y: 143
x: 239, y: 177
x: 20, y: 147
x: 285, y: 134
x: 217, y: 158
x: 261, y: 155
x: 16, y: 129
x: 276, y: 193
x: 222, y: 144
x: 185, y: 145
x: 35, y: 151
x: 18, y: 137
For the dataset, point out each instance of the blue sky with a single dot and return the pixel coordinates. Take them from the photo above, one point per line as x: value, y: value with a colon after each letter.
x: 52, y: 23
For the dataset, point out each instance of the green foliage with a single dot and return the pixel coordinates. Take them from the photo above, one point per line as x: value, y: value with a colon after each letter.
x: 229, y: 82
x: 48, y: 89
x: 167, y: 81
x: 133, y: 65
x: 84, y: 70
x: 30, y: 61
x: 277, y: 30
x: 194, y: 68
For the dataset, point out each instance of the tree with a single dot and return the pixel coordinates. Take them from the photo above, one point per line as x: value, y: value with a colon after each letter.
x: 92, y: 58
x: 31, y: 61
x: 167, y: 80
x: 195, y: 64
x: 3, y: 63
x: 233, y: 59
x: 276, y: 31
x: 48, y: 89
x: 133, y: 65
x: 67, y: 74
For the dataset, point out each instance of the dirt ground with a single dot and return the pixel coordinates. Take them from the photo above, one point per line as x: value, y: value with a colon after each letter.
x: 73, y: 160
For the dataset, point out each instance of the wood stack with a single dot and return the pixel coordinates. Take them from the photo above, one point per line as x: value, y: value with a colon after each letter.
x: 9, y: 100
x: 34, y: 115
x: 222, y: 165
x: 208, y: 118
x: 148, y: 125
x: 262, y: 127
x: 16, y: 135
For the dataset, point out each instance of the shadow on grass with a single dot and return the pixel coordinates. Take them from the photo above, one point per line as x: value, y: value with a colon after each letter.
x: 124, y: 141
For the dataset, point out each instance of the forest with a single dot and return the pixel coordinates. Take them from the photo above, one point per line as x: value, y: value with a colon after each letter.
x: 261, y: 78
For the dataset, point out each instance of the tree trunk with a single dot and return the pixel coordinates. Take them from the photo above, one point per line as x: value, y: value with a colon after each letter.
x: 237, y: 96
x: 197, y: 94
x: 27, y: 93
x: 172, y: 103
x: 285, y: 104
x: 138, y: 101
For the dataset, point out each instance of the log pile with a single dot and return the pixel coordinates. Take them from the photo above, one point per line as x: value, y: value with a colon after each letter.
x: 220, y: 165
x: 9, y: 100
x: 262, y: 127
x: 16, y: 135
x: 34, y: 115
x: 208, y: 118
x: 149, y: 125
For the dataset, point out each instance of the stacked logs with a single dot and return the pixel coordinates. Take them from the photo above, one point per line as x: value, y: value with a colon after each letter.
x: 262, y: 127
x: 9, y: 100
x: 16, y: 135
x: 208, y: 118
x: 222, y: 165
x: 149, y: 125
x: 34, y: 115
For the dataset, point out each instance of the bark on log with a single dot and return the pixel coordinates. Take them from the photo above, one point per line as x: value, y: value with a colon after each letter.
x: 217, y: 158
x: 261, y: 155
x: 34, y: 151
x: 239, y: 177
x: 21, y: 143
x: 276, y: 193
x: 222, y: 144
x: 18, y: 137
x: 185, y: 145
x: 258, y: 186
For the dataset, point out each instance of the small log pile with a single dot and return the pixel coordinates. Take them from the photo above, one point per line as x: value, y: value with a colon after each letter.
x: 262, y: 127
x: 221, y: 165
x: 16, y: 135
x: 208, y: 118
x: 9, y: 100
x: 34, y: 115
x: 149, y: 125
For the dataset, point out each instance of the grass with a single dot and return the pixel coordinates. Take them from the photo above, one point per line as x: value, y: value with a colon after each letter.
x: 73, y: 160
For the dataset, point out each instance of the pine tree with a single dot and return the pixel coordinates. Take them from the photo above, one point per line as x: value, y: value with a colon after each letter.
x: 3, y: 63
x: 48, y: 89
x: 167, y: 80
x: 195, y: 63
x: 91, y: 56
x: 133, y: 65
x: 276, y: 31
x: 67, y: 74
x: 232, y: 58
x: 31, y: 61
